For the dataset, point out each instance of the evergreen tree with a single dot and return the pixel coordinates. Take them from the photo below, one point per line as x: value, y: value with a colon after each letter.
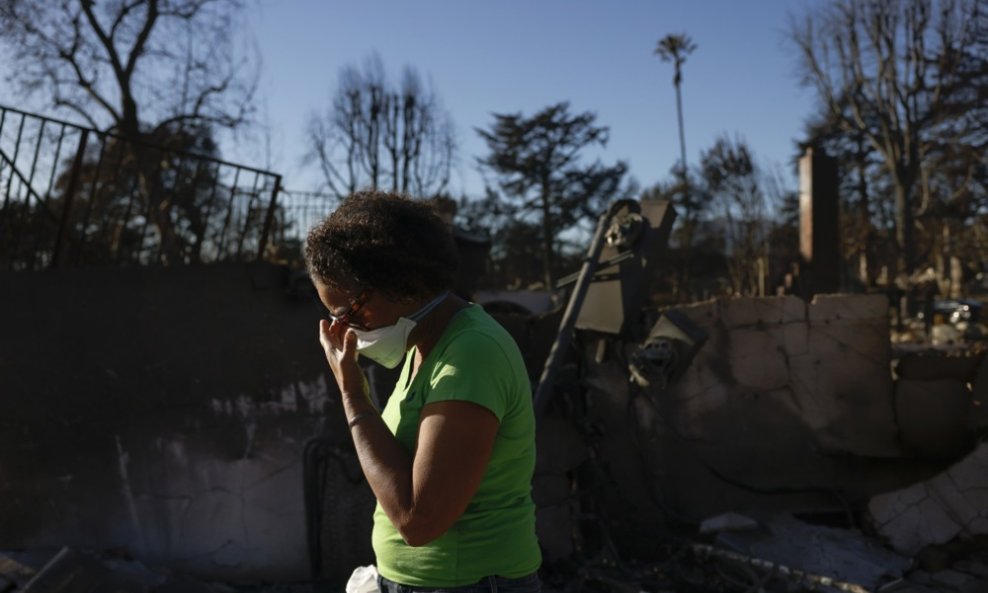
x: 541, y: 176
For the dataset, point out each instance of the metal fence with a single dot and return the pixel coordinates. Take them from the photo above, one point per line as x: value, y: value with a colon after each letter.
x: 297, y: 212
x: 71, y: 196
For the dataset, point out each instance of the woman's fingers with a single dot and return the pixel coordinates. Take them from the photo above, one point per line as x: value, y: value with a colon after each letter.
x: 340, y: 345
x: 350, y: 344
x: 329, y: 334
x: 339, y: 342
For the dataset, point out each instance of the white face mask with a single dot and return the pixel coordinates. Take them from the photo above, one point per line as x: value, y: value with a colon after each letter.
x: 387, y: 345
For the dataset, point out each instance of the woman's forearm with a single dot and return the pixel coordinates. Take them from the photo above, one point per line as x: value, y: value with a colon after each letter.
x: 386, y: 464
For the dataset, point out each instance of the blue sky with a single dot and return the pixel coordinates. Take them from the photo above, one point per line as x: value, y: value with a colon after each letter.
x: 508, y: 56
x: 522, y: 55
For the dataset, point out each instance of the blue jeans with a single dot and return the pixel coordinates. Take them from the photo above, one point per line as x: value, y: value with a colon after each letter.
x: 526, y: 584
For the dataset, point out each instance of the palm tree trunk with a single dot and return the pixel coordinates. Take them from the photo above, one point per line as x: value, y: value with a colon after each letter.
x: 685, y: 282
x: 682, y: 139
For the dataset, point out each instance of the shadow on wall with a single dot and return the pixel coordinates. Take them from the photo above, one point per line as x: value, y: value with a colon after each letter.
x: 162, y: 412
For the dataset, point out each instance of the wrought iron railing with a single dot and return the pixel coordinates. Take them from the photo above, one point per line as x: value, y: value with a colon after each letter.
x: 297, y: 212
x: 71, y: 196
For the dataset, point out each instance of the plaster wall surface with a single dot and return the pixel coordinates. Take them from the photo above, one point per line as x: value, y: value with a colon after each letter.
x: 787, y: 406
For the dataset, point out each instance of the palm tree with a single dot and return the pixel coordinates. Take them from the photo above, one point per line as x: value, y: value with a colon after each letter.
x: 674, y: 48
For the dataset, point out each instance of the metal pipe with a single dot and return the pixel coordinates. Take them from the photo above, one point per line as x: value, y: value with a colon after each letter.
x: 543, y: 393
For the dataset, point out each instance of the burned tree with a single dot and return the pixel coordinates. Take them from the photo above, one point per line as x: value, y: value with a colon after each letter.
x: 906, y: 76
x: 733, y: 183
x: 149, y: 72
x: 376, y: 135
x: 131, y: 67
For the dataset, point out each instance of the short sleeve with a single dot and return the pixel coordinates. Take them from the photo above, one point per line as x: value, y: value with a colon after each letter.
x: 475, y: 368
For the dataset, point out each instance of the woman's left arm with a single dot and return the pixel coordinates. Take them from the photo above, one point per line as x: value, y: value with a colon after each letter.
x: 425, y: 495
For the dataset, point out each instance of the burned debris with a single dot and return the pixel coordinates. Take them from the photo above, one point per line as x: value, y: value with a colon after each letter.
x: 798, y: 442
x: 775, y: 443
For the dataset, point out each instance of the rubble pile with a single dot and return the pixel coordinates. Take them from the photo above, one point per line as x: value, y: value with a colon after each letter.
x: 780, y: 553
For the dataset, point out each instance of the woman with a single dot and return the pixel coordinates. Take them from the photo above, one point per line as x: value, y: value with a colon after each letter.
x: 450, y: 459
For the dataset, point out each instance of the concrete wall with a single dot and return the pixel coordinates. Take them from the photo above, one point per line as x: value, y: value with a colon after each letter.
x: 162, y: 412
x: 787, y: 406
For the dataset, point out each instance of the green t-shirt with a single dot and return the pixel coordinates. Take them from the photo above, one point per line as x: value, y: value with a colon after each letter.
x: 474, y: 360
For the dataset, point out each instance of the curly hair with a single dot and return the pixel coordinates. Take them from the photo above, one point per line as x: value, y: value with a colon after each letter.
x: 385, y: 242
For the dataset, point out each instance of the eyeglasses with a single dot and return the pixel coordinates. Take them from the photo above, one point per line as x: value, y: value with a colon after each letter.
x: 355, y: 306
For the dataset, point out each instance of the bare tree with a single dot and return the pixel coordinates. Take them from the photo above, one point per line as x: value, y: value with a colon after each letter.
x: 133, y: 67
x: 153, y: 72
x: 733, y: 182
x: 898, y: 72
x: 379, y: 136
